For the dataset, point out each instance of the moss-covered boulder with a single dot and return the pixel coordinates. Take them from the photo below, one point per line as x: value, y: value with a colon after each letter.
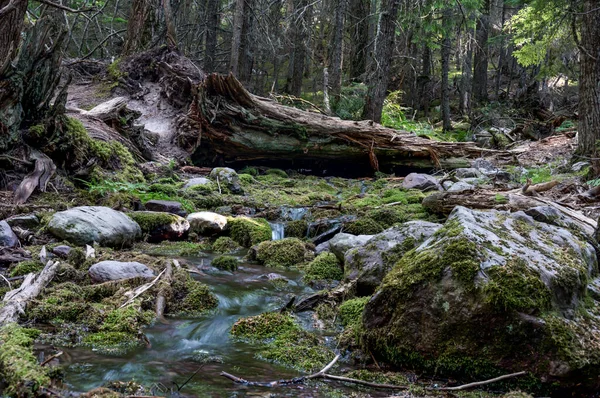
x: 190, y: 297
x: 363, y: 226
x: 158, y: 226
x: 296, y: 229
x: 282, y: 253
x: 369, y: 263
x: 325, y: 267
x: 249, y: 231
x: 226, y: 263
x: 225, y: 244
x: 491, y: 293
x: 227, y: 178
x: 283, y: 341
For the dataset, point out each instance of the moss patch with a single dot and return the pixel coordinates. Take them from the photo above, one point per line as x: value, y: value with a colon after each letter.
x: 25, y: 267
x: 226, y: 263
x: 351, y: 310
x: 191, y: 298
x: 281, y: 253
x: 324, y: 267
x: 18, y: 365
x: 150, y: 221
x: 225, y: 244
x: 363, y: 226
x: 249, y: 231
x: 264, y: 326
x: 296, y: 229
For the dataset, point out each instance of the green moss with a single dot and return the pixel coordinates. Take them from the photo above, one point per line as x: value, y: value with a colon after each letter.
x: 38, y: 130
x: 363, y: 226
x: 225, y: 244
x: 249, y: 171
x: 126, y: 320
x: 296, y: 229
x: 299, y: 350
x: 381, y: 377
x: 277, y: 173
x: 111, y: 343
x: 324, y: 267
x: 281, y: 253
x: 227, y: 263
x: 515, y: 286
x: 166, y: 248
x: 264, y: 326
x: 167, y: 189
x: 18, y: 365
x: 246, y: 179
x: 351, y: 310
x: 150, y: 221
x: 25, y: 267
x: 191, y: 298
x: 249, y: 231
x: 114, y: 70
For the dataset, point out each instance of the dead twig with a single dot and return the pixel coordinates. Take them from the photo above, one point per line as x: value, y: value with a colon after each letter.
x: 51, y: 357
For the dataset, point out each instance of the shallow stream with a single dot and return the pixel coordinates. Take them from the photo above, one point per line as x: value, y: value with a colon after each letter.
x: 170, y: 360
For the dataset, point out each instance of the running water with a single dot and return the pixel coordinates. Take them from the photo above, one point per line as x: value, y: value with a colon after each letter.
x: 277, y: 230
x: 170, y: 359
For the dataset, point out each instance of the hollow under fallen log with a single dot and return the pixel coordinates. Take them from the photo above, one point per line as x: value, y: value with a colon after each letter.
x: 239, y: 128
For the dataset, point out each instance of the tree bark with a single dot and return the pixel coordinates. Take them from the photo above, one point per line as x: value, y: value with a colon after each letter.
x: 358, y: 18
x: 212, y: 23
x: 446, y: 47
x: 299, y: 32
x: 236, y: 39
x: 481, y: 55
x: 589, y: 84
x: 140, y: 26
x: 12, y: 15
x: 335, y: 65
x: 466, y: 82
x: 379, y: 65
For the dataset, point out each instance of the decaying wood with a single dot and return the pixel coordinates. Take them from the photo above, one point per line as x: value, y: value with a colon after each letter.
x: 530, y: 190
x: 133, y: 294
x: 238, y: 126
x: 16, y: 301
x: 44, y: 170
x: 161, y: 301
x: 445, y: 202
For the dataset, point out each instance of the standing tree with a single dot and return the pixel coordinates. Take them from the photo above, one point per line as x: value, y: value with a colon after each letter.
x: 335, y: 64
x: 380, y: 60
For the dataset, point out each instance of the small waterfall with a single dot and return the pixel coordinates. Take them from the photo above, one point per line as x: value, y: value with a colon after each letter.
x: 294, y: 213
x: 278, y: 230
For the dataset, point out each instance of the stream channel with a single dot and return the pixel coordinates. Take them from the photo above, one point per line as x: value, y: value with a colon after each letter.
x: 170, y: 359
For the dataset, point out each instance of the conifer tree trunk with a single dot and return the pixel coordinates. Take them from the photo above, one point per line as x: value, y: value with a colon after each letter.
x: 140, y: 26
x: 481, y: 55
x: 335, y: 66
x: 445, y: 50
x: 358, y: 19
x: 379, y: 65
x: 589, y: 84
x: 299, y: 32
x: 212, y: 23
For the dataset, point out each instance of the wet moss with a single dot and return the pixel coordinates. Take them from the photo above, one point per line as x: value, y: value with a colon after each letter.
x: 249, y: 231
x: 281, y: 253
x: 299, y: 350
x: 150, y: 221
x: 296, y: 229
x: 276, y: 172
x: 515, y: 287
x: 25, y: 267
x: 264, y: 326
x: 397, y: 379
x: 111, y: 343
x: 18, y: 365
x: 190, y: 297
x: 363, y: 226
x: 325, y: 267
x: 351, y: 310
x: 226, y: 263
x: 225, y: 244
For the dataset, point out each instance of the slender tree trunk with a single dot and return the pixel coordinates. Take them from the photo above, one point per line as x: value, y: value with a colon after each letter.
x: 589, y: 84
x: 335, y: 66
x: 300, y: 23
x: 358, y: 19
x: 446, y: 50
x: 236, y: 39
x: 169, y: 24
x: 467, y: 75
x: 212, y: 23
x: 379, y: 65
x: 246, y: 61
x: 481, y: 55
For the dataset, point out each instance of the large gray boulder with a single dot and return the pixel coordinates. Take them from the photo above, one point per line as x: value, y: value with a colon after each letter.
x: 343, y: 242
x: 7, y: 236
x: 227, y: 177
x: 207, y: 223
x: 89, y: 224
x: 422, y: 182
x: 105, y: 271
x: 368, y: 264
x: 495, y: 291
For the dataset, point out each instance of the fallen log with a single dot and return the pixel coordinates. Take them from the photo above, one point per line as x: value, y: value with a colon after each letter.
x: 16, y: 301
x: 238, y: 128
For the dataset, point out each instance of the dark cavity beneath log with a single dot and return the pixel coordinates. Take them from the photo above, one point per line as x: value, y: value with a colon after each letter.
x: 234, y: 127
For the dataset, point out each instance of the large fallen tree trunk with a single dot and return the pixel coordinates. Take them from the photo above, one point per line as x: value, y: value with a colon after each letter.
x: 238, y: 127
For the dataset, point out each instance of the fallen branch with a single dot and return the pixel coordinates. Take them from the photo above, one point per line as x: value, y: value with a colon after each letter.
x: 16, y: 301
x: 47, y: 361
x: 161, y: 301
x: 44, y: 170
x: 478, y: 383
x: 141, y: 290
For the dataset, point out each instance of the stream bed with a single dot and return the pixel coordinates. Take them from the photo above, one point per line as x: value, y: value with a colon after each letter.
x: 170, y: 359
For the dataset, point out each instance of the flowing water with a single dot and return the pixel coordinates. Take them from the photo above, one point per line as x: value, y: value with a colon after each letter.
x: 170, y: 360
